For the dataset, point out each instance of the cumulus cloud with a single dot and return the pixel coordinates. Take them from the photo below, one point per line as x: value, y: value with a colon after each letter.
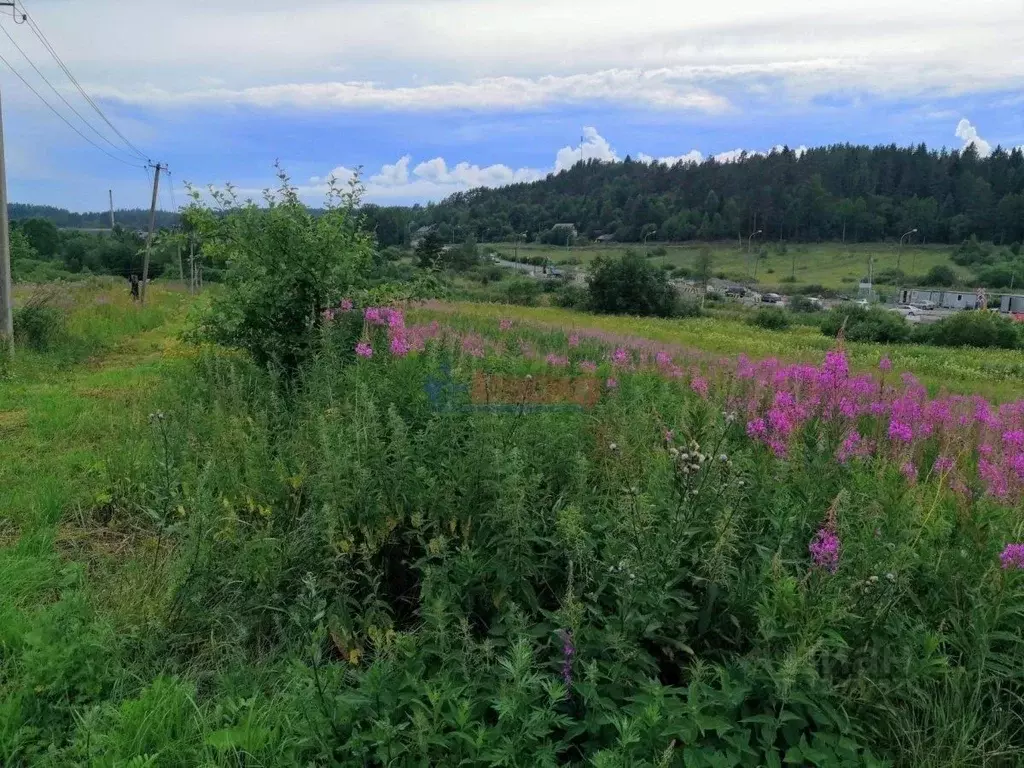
x: 434, y: 179
x: 690, y: 158
x: 969, y: 135
x: 593, y: 147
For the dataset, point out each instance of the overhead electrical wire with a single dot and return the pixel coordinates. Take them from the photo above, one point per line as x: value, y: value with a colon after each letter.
x: 59, y: 94
x: 64, y: 119
x: 60, y: 62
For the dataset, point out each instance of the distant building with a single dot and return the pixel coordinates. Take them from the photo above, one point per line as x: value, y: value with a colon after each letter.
x: 1012, y: 304
x: 940, y: 297
x: 419, y: 234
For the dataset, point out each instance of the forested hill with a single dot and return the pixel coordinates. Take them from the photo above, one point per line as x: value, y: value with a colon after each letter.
x: 837, y: 192
x: 134, y: 218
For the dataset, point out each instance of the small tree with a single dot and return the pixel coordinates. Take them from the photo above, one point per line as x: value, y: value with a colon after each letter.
x: 284, y: 267
x: 429, y: 250
x: 630, y: 285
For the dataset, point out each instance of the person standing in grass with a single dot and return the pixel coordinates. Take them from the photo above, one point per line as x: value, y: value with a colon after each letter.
x: 134, y: 282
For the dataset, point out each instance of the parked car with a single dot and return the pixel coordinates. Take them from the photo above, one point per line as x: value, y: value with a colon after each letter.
x: 926, y: 305
x: 771, y: 298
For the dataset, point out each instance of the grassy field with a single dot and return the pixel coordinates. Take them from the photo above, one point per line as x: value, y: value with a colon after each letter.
x: 418, y: 555
x: 829, y: 264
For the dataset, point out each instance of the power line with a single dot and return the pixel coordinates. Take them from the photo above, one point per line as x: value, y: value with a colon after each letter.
x: 46, y: 43
x: 58, y: 93
x: 58, y: 114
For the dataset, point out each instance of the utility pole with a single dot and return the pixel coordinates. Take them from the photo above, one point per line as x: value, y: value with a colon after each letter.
x: 149, y: 236
x: 6, y: 293
x: 111, y: 193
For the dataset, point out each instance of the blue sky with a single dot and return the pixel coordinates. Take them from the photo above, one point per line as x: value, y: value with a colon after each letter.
x: 435, y: 96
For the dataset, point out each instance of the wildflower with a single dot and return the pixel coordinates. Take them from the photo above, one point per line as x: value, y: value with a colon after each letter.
x: 669, y: 436
x: 327, y: 315
x: 885, y: 364
x: 574, y: 339
x: 399, y: 346
x: 364, y: 350
x: 557, y: 360
x: 1013, y: 557
x: 613, y: 447
x: 568, y: 651
x: 620, y: 356
x: 505, y: 325
x: 909, y: 471
x: 900, y: 431
x: 700, y: 386
x: 824, y: 549
x: 588, y: 367
x: 611, y: 383
x: 346, y: 305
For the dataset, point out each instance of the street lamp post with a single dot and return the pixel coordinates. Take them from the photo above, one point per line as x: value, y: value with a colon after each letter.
x: 749, y: 239
x: 645, y: 240
x: 899, y: 250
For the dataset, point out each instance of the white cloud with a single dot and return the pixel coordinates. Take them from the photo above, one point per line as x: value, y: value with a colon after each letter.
x: 969, y: 135
x: 434, y: 179
x: 393, y: 175
x: 593, y: 147
x: 691, y: 157
x: 491, y: 54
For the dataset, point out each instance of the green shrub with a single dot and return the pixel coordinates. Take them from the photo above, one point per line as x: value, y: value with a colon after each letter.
x: 285, y: 267
x: 972, y: 329
x: 521, y: 290
x: 571, y: 297
x: 802, y: 304
x: 40, y: 323
x: 941, y: 275
x: 630, y: 285
x: 862, y: 324
x: 770, y: 318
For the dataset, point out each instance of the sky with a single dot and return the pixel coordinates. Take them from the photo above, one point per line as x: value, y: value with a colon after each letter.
x: 431, y: 97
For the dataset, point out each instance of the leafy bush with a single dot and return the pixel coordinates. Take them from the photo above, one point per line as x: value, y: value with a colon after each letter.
x: 659, y: 251
x: 630, y: 285
x: 802, y: 304
x: 862, y: 324
x: 972, y: 329
x: 941, y: 275
x: 285, y: 267
x: 521, y: 290
x: 40, y: 323
x: 571, y: 297
x: 770, y: 318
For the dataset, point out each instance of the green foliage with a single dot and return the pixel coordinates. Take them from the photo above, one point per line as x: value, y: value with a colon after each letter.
x: 571, y: 297
x: 429, y: 250
x: 521, y: 290
x: 972, y: 329
x: 285, y: 267
x: 42, y: 236
x: 802, y: 305
x: 630, y: 285
x: 39, y: 323
x: 941, y: 275
x: 771, y: 319
x: 865, y: 324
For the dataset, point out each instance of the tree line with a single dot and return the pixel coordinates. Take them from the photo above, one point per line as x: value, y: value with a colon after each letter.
x: 840, y: 192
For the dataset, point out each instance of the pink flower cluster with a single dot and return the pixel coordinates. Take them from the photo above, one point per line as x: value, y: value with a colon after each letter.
x: 824, y: 549
x: 1013, y: 557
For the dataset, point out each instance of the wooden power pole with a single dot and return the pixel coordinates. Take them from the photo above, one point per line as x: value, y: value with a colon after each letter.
x: 111, y: 193
x: 149, y: 235
x: 6, y: 292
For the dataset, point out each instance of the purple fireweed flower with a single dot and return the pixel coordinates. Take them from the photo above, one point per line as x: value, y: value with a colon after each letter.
x: 611, y: 383
x: 909, y: 471
x: 399, y: 346
x: 1013, y: 557
x: 700, y: 386
x: 588, y: 367
x: 558, y: 361
x: 620, y: 356
x: 568, y: 652
x: 824, y: 549
x: 574, y: 339
x: 346, y: 305
x: 885, y: 364
x: 900, y: 431
x: 505, y: 325
x: 364, y: 350
x: 669, y: 436
x: 942, y: 464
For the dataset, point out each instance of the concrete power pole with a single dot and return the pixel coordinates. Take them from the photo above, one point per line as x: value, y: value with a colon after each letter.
x: 6, y: 292
x: 149, y: 236
x: 111, y: 193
